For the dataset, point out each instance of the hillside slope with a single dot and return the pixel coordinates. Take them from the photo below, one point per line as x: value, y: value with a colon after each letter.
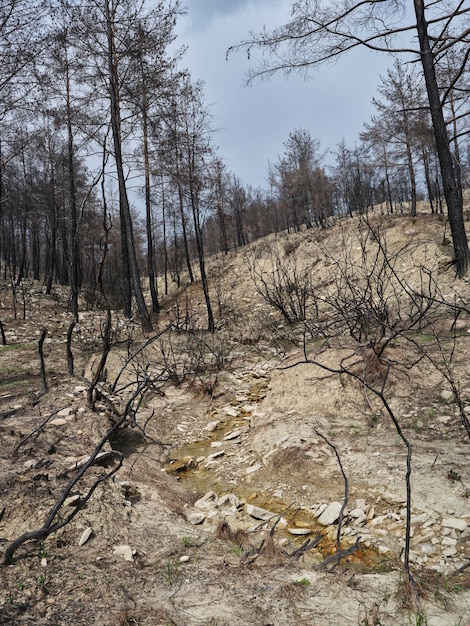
x: 334, y: 348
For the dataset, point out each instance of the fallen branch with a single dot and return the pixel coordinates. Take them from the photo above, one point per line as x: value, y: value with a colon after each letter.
x: 334, y: 559
x: 32, y: 433
x: 307, y: 545
x: 49, y: 526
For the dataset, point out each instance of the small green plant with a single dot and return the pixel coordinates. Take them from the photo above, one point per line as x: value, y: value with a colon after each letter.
x: 170, y: 572
x: 187, y: 542
x: 41, y: 579
x: 80, y: 576
x: 42, y: 552
x: 21, y: 586
x: 303, y: 582
x: 418, y: 619
x: 237, y: 550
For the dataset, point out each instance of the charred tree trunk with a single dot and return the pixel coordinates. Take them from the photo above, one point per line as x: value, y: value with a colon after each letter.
x: 449, y: 179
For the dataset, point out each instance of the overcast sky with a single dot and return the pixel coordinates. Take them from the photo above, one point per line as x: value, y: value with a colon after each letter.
x: 254, y: 122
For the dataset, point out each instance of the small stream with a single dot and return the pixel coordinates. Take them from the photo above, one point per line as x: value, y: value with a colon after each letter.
x: 199, y: 479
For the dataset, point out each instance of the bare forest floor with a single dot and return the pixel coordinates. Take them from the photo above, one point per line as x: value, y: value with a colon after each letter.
x: 236, y: 449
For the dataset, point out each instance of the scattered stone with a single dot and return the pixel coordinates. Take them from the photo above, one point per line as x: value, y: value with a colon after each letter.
x: 86, y: 534
x: 80, y: 389
x: 455, y: 522
x: 449, y: 541
x: 259, y: 513
x: 383, y: 549
x: 234, y: 434
x: 444, y: 419
x: 356, y: 513
x: 319, y: 510
x: 447, y: 395
x: 124, y: 551
x: 228, y: 499
x: 184, y: 559
x: 58, y: 421
x: 299, y: 531
x: 231, y: 411
x: 209, y: 501
x: 196, y: 518
x: 253, y: 468
x: 72, y: 501
x: 29, y: 464
x: 211, y: 426
x: 448, y: 552
x: 43, y: 562
x: 216, y: 455
x: 330, y: 514
x: 65, y: 412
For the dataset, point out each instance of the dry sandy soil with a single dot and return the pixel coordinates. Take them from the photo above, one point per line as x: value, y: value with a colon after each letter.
x: 238, y: 445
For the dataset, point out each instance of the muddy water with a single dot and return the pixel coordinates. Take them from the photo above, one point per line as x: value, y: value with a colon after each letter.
x: 199, y: 479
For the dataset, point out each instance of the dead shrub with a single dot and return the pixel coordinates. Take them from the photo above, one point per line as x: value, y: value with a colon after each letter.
x: 225, y: 533
x: 291, y: 456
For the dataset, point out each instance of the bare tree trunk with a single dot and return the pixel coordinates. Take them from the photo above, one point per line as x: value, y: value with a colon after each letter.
x: 148, y: 205
x: 125, y: 213
x: 449, y: 179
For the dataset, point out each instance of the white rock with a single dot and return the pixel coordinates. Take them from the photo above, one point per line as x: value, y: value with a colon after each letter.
x: 253, y: 468
x: 216, y: 455
x: 234, y: 434
x: 319, y: 510
x: 383, y: 549
x: 196, y: 518
x: 455, y: 522
x: 299, y: 531
x: 59, y: 421
x: 330, y: 514
x: 211, y: 426
x: 448, y: 541
x: 258, y: 513
x: 86, y: 534
x: 231, y: 411
x: 356, y: 513
x: 228, y: 499
x: 72, y: 501
x: 444, y: 419
x: 125, y: 552
x: 451, y: 551
x: 209, y: 501
x: 43, y: 562
x: 447, y: 395
x: 64, y: 412
x: 184, y: 559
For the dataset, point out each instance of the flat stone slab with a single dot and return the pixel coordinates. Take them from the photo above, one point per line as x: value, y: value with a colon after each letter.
x: 258, y: 513
x: 455, y: 522
x: 330, y: 514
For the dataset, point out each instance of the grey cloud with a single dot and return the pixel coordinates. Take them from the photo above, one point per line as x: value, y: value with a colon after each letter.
x: 202, y: 12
